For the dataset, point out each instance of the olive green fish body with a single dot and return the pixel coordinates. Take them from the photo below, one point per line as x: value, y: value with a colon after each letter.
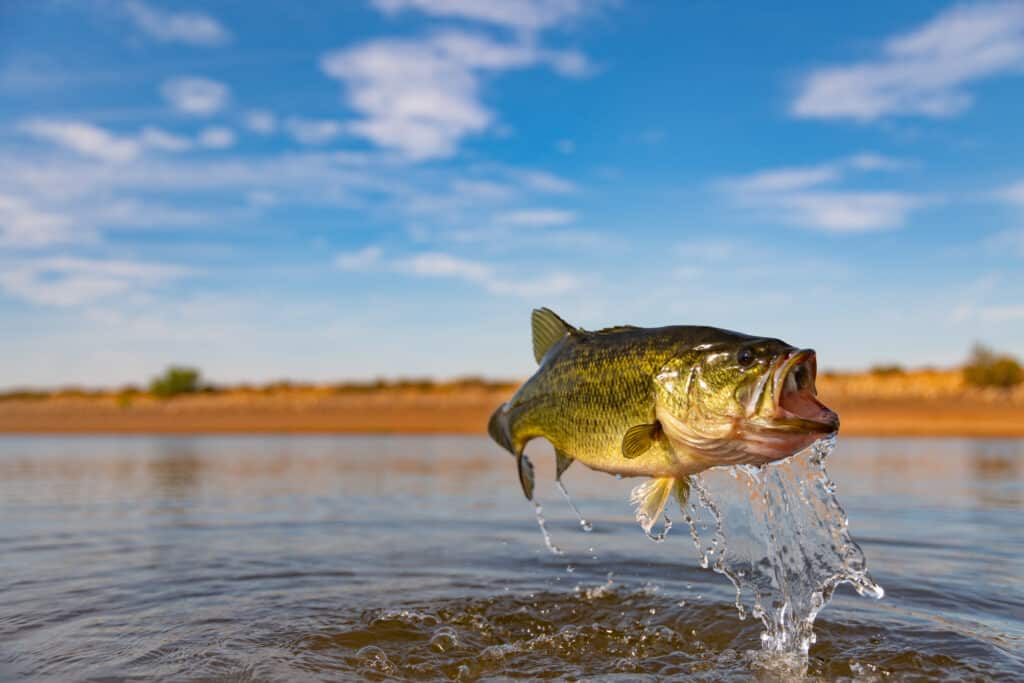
x: 594, y: 386
x: 661, y: 402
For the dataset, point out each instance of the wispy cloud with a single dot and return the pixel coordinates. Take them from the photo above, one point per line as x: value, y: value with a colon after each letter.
x: 422, y: 96
x: 24, y: 225
x: 924, y: 72
x: 194, y: 28
x: 1012, y: 193
x: 524, y: 15
x: 66, y: 281
x: 533, y: 218
x: 83, y: 138
x: 1007, y: 241
x: 801, y: 196
x: 363, y: 259
x: 194, y: 95
x: 217, y: 137
x: 261, y: 121
x: 313, y: 131
x: 443, y: 265
x: 158, y: 138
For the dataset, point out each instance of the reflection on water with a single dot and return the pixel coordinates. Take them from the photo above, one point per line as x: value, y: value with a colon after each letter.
x: 318, y: 557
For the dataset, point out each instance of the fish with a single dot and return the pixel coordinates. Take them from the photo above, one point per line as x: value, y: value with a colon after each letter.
x: 663, y: 403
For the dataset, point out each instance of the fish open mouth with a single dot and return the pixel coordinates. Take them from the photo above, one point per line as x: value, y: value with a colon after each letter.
x: 796, y: 403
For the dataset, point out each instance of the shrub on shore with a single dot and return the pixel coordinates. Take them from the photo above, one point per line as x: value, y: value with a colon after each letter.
x: 987, y: 368
x: 175, y: 381
x: 887, y: 369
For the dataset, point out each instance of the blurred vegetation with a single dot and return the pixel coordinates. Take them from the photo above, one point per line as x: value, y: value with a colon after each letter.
x: 175, y: 381
x: 987, y: 368
x: 887, y: 369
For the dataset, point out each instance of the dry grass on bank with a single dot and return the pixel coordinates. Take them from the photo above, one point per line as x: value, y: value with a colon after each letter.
x: 919, y: 403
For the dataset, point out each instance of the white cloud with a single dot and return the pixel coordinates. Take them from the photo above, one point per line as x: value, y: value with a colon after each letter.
x: 442, y: 265
x: 1007, y: 241
x: 421, y: 96
x: 158, y: 138
x: 364, y: 259
x: 67, y: 281
x: 526, y: 15
x: 83, y: 138
x: 313, y: 131
x: 23, y: 225
x: 543, y: 181
x: 849, y: 211
x: 783, y: 179
x: 261, y: 121
x: 800, y: 195
x: 193, y: 28
x: 194, y: 95
x: 217, y: 137
x: 707, y: 250
x: 1013, y: 193
x: 924, y: 72
x: 536, y: 217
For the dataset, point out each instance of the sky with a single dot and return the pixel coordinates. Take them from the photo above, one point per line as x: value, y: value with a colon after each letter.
x: 381, y: 188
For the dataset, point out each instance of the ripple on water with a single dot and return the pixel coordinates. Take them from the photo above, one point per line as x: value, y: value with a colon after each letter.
x: 604, y: 630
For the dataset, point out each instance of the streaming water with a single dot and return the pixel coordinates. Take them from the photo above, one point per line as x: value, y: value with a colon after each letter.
x: 780, y: 536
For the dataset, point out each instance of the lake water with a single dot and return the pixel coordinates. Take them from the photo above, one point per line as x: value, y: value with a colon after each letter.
x: 352, y: 558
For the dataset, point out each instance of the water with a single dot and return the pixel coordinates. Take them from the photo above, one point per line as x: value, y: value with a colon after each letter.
x: 781, y: 537
x: 350, y: 558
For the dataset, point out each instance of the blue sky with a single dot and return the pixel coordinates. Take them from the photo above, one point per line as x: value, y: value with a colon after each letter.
x: 327, y: 190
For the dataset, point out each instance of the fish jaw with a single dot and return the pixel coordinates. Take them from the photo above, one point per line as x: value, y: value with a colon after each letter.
x: 795, y: 417
x: 796, y: 407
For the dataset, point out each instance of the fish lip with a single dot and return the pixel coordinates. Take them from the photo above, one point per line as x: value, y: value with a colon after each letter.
x: 787, y: 420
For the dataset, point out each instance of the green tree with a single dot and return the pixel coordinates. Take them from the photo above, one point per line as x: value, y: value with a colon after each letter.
x: 174, y: 381
x: 986, y: 368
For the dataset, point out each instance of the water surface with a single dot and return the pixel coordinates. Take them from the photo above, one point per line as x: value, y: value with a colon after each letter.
x: 327, y: 558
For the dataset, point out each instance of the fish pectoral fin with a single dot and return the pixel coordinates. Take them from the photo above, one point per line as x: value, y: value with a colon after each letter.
x: 525, y: 475
x: 650, y: 498
x: 639, y: 439
x: 562, y: 462
x: 548, y: 330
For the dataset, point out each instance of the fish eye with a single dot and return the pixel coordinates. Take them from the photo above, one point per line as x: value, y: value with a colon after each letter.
x: 745, y: 357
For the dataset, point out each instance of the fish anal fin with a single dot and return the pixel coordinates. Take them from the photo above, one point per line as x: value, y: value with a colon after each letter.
x: 525, y: 475
x: 562, y: 462
x: 548, y: 330
x: 639, y: 439
x: 650, y: 498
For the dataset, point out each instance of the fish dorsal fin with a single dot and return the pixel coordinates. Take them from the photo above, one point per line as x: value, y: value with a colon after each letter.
x: 548, y: 329
x: 639, y: 439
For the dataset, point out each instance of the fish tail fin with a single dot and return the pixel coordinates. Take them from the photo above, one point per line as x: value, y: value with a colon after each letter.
x: 650, y: 498
x: 498, y: 428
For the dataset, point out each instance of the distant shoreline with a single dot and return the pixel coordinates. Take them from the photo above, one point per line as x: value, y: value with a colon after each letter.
x: 864, y: 409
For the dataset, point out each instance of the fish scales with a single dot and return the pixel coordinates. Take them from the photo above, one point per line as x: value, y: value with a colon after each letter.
x: 662, y: 402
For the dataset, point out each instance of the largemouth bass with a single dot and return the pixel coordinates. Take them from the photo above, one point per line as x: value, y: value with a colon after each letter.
x: 662, y: 402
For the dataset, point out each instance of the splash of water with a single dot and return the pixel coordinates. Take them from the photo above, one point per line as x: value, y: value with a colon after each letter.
x: 780, y: 536
x: 542, y: 523
x: 585, y: 523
